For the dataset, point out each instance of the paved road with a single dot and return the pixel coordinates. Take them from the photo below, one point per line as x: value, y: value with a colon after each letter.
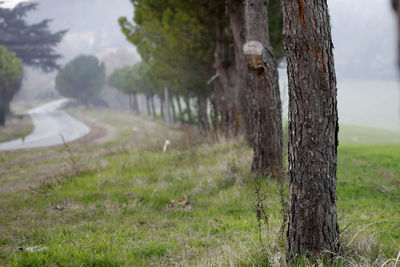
x: 50, y: 123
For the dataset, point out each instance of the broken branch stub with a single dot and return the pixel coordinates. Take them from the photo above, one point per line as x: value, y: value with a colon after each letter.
x: 253, y: 50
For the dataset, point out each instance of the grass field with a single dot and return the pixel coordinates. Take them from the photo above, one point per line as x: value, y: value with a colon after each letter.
x: 191, y: 206
x: 16, y: 127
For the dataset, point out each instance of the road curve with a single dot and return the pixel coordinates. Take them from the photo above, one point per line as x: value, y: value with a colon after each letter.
x: 49, y: 124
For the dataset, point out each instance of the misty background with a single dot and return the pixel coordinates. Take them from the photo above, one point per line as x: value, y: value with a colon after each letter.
x: 363, y: 32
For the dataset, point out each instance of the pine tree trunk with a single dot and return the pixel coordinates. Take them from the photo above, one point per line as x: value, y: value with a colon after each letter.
x: 153, y: 108
x: 204, y: 125
x: 313, y: 128
x: 135, y: 100
x: 243, y: 118
x: 2, y: 115
x: 178, y: 100
x: 130, y: 101
x: 188, y: 109
x: 162, y: 107
x: 228, y: 78
x: 173, y: 109
x: 267, y: 111
x: 148, y: 105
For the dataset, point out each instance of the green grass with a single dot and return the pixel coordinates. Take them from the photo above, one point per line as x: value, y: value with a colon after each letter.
x: 15, y: 128
x: 351, y: 134
x: 121, y: 214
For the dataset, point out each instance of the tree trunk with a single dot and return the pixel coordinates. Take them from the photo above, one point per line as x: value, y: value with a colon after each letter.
x: 153, y: 108
x: 167, y: 106
x: 204, y: 125
x: 2, y: 115
x: 173, y: 109
x: 148, y: 105
x: 267, y: 111
x: 313, y: 128
x: 162, y: 107
x: 228, y: 102
x: 178, y: 100
x: 243, y: 118
x: 188, y: 109
x: 136, y: 102
x: 130, y: 101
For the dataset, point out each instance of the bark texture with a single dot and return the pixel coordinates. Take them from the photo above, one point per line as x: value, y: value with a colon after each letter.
x: 313, y: 128
x: 266, y: 102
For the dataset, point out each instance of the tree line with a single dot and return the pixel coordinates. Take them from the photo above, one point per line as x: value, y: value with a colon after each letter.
x: 224, y: 54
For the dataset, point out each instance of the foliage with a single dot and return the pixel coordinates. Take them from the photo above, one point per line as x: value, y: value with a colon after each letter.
x: 10, y: 68
x: 82, y: 78
x: 10, y: 72
x: 135, y: 79
x: 176, y: 40
x: 33, y: 44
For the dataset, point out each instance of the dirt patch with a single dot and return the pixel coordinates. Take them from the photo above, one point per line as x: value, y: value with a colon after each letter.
x: 100, y: 132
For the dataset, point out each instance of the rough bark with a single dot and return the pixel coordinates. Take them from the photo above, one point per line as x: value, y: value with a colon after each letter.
x: 267, y: 111
x: 313, y: 128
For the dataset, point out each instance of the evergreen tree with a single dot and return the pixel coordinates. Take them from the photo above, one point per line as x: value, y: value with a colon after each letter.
x: 82, y: 78
x: 33, y: 44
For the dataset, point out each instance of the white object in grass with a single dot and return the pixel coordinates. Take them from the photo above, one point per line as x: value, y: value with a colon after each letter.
x: 167, y: 142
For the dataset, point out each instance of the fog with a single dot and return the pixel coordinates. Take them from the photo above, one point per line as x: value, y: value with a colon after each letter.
x: 364, y: 36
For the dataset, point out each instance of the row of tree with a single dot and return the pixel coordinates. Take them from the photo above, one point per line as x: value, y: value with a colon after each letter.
x: 196, y: 50
x: 224, y: 52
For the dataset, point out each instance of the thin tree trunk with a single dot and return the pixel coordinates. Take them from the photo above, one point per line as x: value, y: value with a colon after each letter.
x: 148, y: 105
x: 225, y: 65
x: 130, y: 101
x: 135, y: 99
x: 162, y: 107
x: 267, y: 111
x: 243, y: 118
x: 313, y: 129
x: 204, y: 125
x: 178, y: 100
x: 167, y: 105
x: 173, y: 109
x: 188, y: 109
x: 2, y: 114
x: 153, y: 108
